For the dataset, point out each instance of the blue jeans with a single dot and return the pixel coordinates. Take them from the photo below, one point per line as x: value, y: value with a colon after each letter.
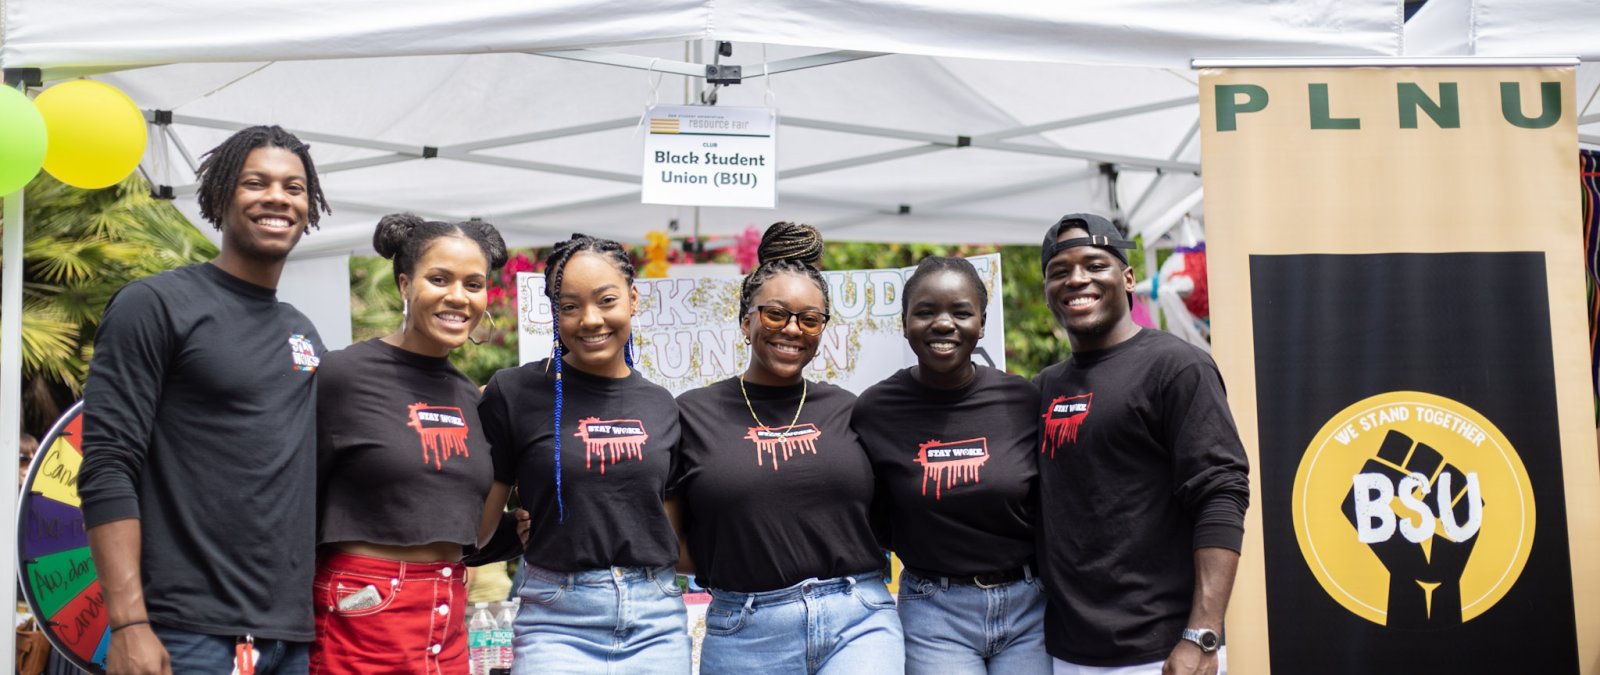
x: 956, y: 628
x: 612, y: 620
x: 193, y: 652
x: 830, y: 626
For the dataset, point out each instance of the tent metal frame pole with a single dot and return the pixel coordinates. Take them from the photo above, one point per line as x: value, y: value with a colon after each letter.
x: 690, y: 69
x: 11, y: 393
x: 1194, y: 130
x: 1009, y: 190
x: 1123, y: 161
x: 852, y: 221
x: 183, y: 150
x: 947, y: 141
x: 380, y: 160
x: 923, y: 209
x: 1089, y: 119
x: 535, y: 136
x: 849, y: 162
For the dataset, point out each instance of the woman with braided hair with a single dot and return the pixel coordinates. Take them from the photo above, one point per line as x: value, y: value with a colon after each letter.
x: 776, y: 490
x: 590, y: 443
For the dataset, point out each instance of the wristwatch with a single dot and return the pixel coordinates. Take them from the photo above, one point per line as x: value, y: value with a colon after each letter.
x: 1205, y: 637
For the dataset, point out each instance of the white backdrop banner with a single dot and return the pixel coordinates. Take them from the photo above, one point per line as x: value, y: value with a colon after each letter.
x: 686, y: 335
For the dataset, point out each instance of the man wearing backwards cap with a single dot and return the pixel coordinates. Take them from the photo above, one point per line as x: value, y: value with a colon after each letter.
x: 1143, y: 480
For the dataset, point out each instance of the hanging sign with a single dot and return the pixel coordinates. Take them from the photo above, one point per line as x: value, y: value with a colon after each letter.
x: 711, y: 156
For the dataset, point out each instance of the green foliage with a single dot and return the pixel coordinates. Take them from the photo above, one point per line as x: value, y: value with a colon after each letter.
x: 80, y: 247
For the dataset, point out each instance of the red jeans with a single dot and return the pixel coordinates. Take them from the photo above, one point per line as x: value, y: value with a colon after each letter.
x: 417, y: 624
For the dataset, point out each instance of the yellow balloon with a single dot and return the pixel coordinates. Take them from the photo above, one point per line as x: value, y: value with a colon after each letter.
x: 97, y: 135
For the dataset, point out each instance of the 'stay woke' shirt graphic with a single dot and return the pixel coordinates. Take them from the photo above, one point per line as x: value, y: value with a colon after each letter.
x: 948, y: 463
x: 1062, y: 420
x: 611, y: 441
x: 772, y: 440
x: 443, y: 431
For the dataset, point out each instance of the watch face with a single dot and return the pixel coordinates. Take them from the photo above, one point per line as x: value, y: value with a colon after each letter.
x: 1209, y: 640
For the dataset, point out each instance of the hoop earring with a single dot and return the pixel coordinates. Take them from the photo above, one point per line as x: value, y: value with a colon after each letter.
x: 480, y: 334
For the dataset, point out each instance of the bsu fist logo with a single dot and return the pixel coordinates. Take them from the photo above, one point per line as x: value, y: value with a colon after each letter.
x: 1426, y: 542
x: 1413, y: 511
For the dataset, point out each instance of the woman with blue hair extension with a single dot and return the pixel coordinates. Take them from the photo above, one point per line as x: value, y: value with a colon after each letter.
x: 589, y: 443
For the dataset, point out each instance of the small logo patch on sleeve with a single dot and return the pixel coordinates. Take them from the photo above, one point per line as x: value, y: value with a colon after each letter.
x: 304, y: 354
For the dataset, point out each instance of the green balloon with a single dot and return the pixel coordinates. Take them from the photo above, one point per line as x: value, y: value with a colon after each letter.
x: 22, y: 140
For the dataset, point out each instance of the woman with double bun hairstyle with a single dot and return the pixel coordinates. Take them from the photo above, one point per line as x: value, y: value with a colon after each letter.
x: 590, y: 444
x: 954, y: 446
x: 402, y: 464
x: 776, y: 491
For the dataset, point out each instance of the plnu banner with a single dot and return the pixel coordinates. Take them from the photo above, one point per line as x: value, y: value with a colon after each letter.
x: 1398, y: 310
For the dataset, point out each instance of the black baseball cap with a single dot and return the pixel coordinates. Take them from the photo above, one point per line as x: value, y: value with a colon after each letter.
x: 1102, y: 234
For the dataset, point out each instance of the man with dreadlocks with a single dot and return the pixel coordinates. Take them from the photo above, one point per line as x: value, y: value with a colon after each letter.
x: 199, y: 472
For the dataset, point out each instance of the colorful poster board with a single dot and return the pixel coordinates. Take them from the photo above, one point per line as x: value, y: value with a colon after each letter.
x: 686, y: 334
x: 58, y: 577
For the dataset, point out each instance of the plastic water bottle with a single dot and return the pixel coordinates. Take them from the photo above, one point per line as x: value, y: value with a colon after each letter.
x: 502, y: 635
x: 480, y: 635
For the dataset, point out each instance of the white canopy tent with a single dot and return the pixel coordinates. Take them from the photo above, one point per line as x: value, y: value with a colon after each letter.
x: 987, y: 120
x: 899, y: 120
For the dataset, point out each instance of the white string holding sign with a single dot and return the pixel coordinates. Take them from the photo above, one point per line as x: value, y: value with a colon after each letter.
x: 771, y: 97
x: 653, y: 98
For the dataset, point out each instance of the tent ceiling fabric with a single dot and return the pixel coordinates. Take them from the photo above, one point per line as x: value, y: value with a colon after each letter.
x: 1162, y: 33
x: 1506, y: 28
x: 857, y: 141
x: 867, y: 148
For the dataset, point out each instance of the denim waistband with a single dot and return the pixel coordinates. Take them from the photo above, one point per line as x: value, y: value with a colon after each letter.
x: 596, y: 577
x: 986, y: 580
x: 808, y: 588
x: 351, y: 563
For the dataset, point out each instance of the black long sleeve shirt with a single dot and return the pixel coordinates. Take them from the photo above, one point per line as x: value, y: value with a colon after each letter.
x: 199, y: 420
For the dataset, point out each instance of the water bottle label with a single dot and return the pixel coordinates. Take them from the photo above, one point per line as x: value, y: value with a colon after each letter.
x: 479, y: 639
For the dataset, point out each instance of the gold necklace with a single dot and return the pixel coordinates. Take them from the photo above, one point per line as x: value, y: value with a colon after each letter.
x: 752, y: 408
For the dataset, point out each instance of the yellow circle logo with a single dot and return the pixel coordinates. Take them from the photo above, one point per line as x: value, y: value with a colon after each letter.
x: 1413, y: 511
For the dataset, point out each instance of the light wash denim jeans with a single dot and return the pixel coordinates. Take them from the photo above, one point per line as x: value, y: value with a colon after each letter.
x: 841, y: 626
x: 962, y: 629
x: 612, y: 620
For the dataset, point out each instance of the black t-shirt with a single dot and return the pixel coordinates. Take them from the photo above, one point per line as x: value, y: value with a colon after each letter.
x: 1140, y: 464
x: 401, y: 457
x: 619, y: 438
x: 958, y: 468
x: 200, y: 417
x: 769, y: 507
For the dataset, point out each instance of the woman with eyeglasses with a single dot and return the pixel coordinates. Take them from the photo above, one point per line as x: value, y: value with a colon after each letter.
x: 776, y: 491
